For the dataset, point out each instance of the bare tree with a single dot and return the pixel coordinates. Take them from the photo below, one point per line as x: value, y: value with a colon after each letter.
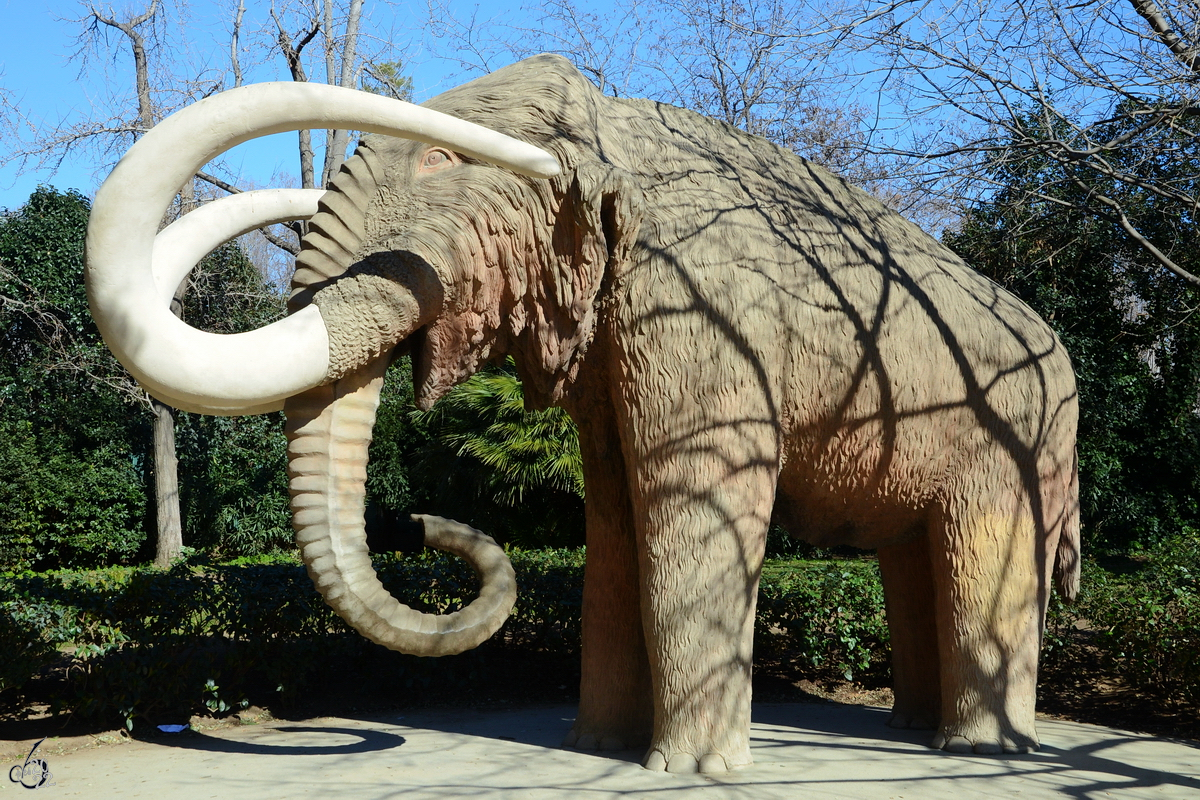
x: 934, y: 97
x: 342, y: 66
x: 342, y: 61
x: 736, y: 60
x: 235, y: 35
x: 291, y: 49
x: 1105, y: 92
x: 347, y: 77
x: 169, y: 541
x: 104, y: 135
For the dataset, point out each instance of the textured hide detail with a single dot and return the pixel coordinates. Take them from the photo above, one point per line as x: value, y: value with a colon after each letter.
x: 377, y: 303
x: 335, y: 233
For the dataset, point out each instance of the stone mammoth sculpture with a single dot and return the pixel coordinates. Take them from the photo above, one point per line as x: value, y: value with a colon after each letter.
x: 741, y: 337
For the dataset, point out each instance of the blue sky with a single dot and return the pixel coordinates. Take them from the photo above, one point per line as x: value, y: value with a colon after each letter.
x: 39, y: 75
x: 34, y: 69
x: 37, y: 41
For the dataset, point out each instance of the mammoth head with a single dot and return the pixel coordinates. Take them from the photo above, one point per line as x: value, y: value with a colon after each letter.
x: 419, y: 232
x: 498, y: 261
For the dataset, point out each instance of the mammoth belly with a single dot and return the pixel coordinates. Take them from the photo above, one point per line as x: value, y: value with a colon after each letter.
x: 824, y: 519
x: 851, y: 490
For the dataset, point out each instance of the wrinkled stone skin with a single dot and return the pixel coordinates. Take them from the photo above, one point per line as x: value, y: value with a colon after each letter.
x: 741, y: 337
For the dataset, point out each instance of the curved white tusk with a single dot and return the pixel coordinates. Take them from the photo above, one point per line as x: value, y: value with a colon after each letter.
x: 179, y: 247
x: 216, y: 411
x: 258, y: 368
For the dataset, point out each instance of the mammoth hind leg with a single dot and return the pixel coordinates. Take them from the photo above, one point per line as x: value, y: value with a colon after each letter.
x: 990, y: 584
x: 911, y: 600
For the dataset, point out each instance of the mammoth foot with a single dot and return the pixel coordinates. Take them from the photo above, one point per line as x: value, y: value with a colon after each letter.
x: 989, y: 743
x: 655, y: 761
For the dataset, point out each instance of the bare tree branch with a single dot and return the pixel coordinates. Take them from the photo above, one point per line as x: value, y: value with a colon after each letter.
x: 220, y: 184
x: 140, y: 67
x: 335, y: 146
x: 1131, y: 230
x: 1187, y: 52
x: 234, y: 56
x: 291, y: 55
x: 63, y: 352
x: 283, y: 244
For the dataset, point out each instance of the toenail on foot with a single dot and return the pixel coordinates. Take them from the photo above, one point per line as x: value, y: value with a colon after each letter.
x: 957, y: 744
x: 655, y: 762
x: 682, y: 763
x: 713, y: 762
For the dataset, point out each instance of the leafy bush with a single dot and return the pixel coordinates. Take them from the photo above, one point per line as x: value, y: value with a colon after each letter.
x: 1148, y: 622
x: 27, y: 649
x: 233, y: 492
x: 71, y: 477
x: 148, y: 644
x: 201, y: 637
x: 76, y: 471
x: 81, y: 509
x: 826, y: 615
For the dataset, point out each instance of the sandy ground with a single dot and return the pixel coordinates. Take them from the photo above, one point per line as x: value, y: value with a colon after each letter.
x: 800, y: 750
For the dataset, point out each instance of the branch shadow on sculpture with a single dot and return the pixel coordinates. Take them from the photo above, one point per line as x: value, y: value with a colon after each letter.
x: 741, y: 338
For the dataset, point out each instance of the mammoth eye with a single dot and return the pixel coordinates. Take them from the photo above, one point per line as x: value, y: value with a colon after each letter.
x: 437, y: 158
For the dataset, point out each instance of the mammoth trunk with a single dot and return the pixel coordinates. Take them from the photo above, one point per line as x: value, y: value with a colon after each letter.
x: 329, y: 432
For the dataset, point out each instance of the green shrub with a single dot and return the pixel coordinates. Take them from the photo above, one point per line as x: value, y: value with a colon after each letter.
x: 827, y: 615
x: 201, y: 637
x: 1148, y: 621
x: 27, y: 650
x: 152, y: 644
x: 61, y: 508
x: 233, y: 492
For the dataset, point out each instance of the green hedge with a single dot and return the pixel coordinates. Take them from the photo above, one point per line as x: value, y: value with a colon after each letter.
x: 143, y: 643
x: 202, y: 637
x: 1145, y: 621
x: 825, y: 615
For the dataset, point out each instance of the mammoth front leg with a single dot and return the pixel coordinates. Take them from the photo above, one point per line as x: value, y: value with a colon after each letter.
x: 702, y: 506
x: 615, y: 710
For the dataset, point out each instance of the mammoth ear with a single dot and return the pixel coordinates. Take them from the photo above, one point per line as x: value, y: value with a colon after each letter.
x: 594, y: 230
x: 609, y: 207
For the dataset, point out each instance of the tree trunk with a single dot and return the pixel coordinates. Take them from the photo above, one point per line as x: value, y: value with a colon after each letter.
x: 336, y: 140
x: 166, y: 487
x: 169, y: 542
x: 166, y: 464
